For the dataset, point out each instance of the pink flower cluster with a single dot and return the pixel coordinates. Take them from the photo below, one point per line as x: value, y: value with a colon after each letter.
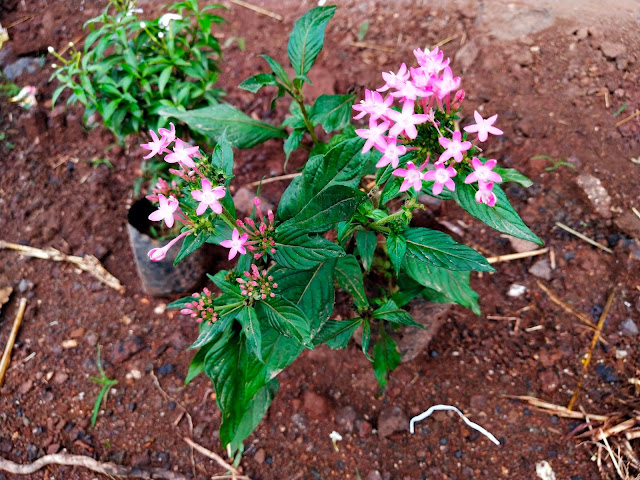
x: 421, y: 92
x: 258, y: 285
x: 201, y: 308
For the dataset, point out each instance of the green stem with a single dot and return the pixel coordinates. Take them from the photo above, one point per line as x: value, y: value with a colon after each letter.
x: 387, y: 219
x: 305, y: 117
x: 228, y: 220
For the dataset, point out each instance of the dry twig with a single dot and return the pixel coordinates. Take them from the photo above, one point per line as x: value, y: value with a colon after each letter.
x: 583, y: 237
x: 88, y: 263
x: 6, y: 356
x: 273, y: 179
x: 445, y: 41
x: 627, y: 118
x: 586, y: 320
x: 235, y: 474
x: 517, y: 256
x: 373, y: 46
x: 259, y: 10
x: 105, y: 468
x: 594, y: 342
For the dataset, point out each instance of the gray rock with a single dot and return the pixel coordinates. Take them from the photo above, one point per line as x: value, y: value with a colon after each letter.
x: 511, y: 22
x: 22, y: 66
x: 596, y: 193
x: 541, y: 269
x: 373, y: 475
x: 613, y: 50
x: 390, y: 420
x: 629, y: 327
x: 25, y: 285
x: 466, y: 56
x: 520, y: 245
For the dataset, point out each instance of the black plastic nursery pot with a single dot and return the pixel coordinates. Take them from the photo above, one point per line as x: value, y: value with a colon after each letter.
x: 161, y: 278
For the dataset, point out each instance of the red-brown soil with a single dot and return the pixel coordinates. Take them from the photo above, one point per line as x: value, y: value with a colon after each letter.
x: 540, y: 65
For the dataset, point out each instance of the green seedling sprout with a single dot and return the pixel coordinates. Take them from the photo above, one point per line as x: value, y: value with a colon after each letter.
x: 106, y: 383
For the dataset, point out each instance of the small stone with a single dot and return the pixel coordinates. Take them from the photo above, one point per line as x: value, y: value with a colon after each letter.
x: 160, y: 308
x: 23, y: 65
x: 125, y: 349
x: 364, y: 428
x: 68, y: 344
x: 77, y: 332
x: 60, y: 377
x: 629, y: 328
x: 541, y: 269
x: 466, y: 56
x: 346, y: 417
x: 612, y: 50
x: 260, y: 456
x: 25, y: 285
x: 606, y: 373
x: 516, y: 290
x: 523, y: 58
x: 621, y: 354
x: 34, y: 452
x: 314, y: 405
x: 548, y: 381
x: 53, y: 448
x: 91, y: 339
x: 390, y: 420
x: 629, y: 223
x: 25, y: 387
x: 582, y: 33
x: 141, y: 460
x: 165, y: 369
x: 521, y: 246
x: 596, y: 193
x: 544, y: 471
x: 478, y: 402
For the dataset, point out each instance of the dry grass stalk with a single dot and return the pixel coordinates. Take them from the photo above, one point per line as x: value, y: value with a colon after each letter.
x: 586, y: 320
x: 517, y: 256
x: 235, y: 474
x: 373, y: 46
x: 264, y: 181
x: 582, y: 236
x: 6, y: 356
x: 630, y: 117
x: 260, y: 10
x: 88, y: 263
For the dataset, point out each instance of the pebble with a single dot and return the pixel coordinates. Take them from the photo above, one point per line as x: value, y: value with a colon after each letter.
x: 160, y: 308
x: 60, y: 377
x: 314, y: 405
x: 541, y: 269
x: 364, y: 428
x: 621, y: 354
x: 629, y: 327
x: 165, y: 369
x: 606, y: 373
x: 68, y: 344
x: 346, y: 418
x: 521, y: 246
x: 23, y: 65
x: 612, y: 50
x: 77, y: 332
x: 548, y: 381
x: 125, y: 349
x: 25, y: 387
x: 25, y: 285
x: 466, y: 56
x: 516, y: 290
x: 390, y: 420
x: 596, y: 193
x: 544, y: 471
x: 374, y: 475
x: 260, y: 456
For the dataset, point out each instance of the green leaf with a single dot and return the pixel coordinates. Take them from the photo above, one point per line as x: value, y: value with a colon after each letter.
x: 366, y: 242
x: 453, y: 285
x: 227, y: 286
x: 242, y: 130
x: 311, y: 290
x: 291, y: 143
x: 222, y: 156
x: 285, y: 317
x: 386, y: 357
x: 196, y: 367
x: 396, y: 249
x: 180, y: 303
x: 288, y: 206
x: 513, y: 175
x: 349, y: 276
x: 255, y: 83
x: 251, y: 329
x: 300, y: 251
x: 189, y: 245
x: 501, y: 217
x: 336, y: 333
x: 391, y: 313
x: 164, y: 78
x: 333, y: 112
x: 366, y: 338
x: 307, y: 38
x: 440, y: 250
x: 278, y: 70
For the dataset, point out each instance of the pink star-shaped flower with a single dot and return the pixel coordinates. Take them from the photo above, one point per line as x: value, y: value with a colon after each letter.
x: 442, y: 178
x: 236, y: 244
x: 394, y: 80
x: 374, y: 134
x: 168, y: 134
x: 406, y: 120
x: 485, y: 195
x: 157, y: 254
x: 182, y: 153
x: 410, y: 91
x: 483, y: 172
x: 156, y: 146
x: 412, y: 177
x: 431, y: 61
x: 165, y: 211
x: 483, y: 126
x: 208, y: 197
x: 373, y: 104
x: 392, y: 151
x: 446, y: 84
x: 454, y: 147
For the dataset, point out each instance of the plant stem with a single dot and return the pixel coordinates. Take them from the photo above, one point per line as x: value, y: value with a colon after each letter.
x: 225, y: 216
x: 387, y: 219
x: 305, y: 117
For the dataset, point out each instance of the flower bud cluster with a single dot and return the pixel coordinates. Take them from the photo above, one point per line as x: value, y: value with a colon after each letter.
x: 258, y: 285
x: 259, y: 236
x: 424, y: 94
x: 202, y: 308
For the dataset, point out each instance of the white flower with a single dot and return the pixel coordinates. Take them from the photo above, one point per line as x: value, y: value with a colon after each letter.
x: 335, y: 437
x: 167, y: 18
x: 132, y: 11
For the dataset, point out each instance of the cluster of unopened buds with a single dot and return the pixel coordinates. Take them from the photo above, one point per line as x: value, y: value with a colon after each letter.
x: 258, y: 236
x: 201, y: 308
x: 422, y: 91
x: 258, y: 285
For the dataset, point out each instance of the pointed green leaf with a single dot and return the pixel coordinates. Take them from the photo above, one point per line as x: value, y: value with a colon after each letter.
x: 278, y: 70
x: 386, y: 358
x: 440, y: 250
x: 307, y: 38
x: 242, y: 130
x: 366, y: 338
x: 164, y: 78
x: 396, y: 249
x: 501, y: 217
x: 189, y: 245
x: 513, y: 175
x: 196, y: 367
x: 366, y: 242
x: 391, y: 313
x: 349, y: 276
x: 255, y: 83
x: 251, y: 328
x: 285, y: 317
x: 222, y: 156
x: 295, y: 249
x: 291, y: 143
x: 333, y: 112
